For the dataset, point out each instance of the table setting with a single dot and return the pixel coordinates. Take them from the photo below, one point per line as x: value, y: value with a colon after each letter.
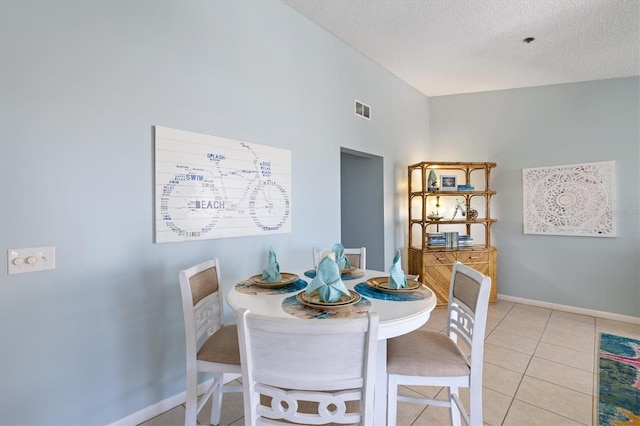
x: 271, y: 280
x: 327, y: 295
x: 400, y: 306
x: 347, y: 271
x: 396, y: 287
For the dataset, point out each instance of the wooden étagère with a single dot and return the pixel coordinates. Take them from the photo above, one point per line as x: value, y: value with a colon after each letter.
x: 471, y: 218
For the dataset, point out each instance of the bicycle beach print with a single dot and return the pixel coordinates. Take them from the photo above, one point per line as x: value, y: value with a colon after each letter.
x: 210, y: 187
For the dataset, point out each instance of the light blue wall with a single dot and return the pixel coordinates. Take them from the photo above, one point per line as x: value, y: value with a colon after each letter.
x: 82, y: 84
x: 548, y: 126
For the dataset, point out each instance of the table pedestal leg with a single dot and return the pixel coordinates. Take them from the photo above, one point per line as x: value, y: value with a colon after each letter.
x: 380, y: 403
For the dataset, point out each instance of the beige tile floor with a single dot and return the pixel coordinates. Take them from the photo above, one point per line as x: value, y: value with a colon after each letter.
x: 539, y: 369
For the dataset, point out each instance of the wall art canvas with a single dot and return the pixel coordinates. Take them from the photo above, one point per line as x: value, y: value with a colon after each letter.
x: 211, y: 187
x: 570, y: 200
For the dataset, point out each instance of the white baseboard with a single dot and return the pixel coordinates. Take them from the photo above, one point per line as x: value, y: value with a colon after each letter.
x: 158, y: 408
x: 571, y: 309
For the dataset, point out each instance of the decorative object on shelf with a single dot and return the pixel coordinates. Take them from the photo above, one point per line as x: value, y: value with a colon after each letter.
x: 432, y: 181
x: 472, y: 214
x: 466, y: 187
x: 570, y: 200
x: 435, y: 215
x: 448, y: 182
x: 459, y: 206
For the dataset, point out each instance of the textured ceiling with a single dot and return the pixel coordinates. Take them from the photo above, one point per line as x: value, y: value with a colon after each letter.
x: 444, y: 47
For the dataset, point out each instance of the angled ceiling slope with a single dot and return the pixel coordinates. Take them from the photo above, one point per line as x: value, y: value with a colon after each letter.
x: 444, y: 47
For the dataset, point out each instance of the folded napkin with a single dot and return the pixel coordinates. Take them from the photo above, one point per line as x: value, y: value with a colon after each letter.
x: 328, y: 281
x: 397, y: 279
x: 272, y: 272
x: 342, y: 260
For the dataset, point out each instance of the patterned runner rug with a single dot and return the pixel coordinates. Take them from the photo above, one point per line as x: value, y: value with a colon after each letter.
x: 619, y: 380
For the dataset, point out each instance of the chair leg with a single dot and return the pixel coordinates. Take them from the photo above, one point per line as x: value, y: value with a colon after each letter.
x: 216, y: 399
x: 191, y: 406
x: 475, y: 404
x: 453, y: 409
x: 392, y: 399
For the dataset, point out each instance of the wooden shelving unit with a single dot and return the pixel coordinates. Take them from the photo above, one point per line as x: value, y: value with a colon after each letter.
x: 434, y: 264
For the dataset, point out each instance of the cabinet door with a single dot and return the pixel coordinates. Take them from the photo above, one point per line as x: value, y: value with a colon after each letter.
x: 437, y: 278
x: 485, y: 263
x: 437, y: 273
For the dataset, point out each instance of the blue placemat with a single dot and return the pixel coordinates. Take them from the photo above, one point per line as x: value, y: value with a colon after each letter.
x: 291, y: 306
x: 368, y: 291
x: 311, y: 273
x: 249, y: 288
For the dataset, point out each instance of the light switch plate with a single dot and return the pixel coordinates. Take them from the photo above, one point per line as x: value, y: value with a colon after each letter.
x: 30, y: 259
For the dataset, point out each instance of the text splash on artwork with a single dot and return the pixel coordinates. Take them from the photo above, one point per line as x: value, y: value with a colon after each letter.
x: 211, y: 187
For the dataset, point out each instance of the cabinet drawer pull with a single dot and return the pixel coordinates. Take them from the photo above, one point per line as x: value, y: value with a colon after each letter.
x: 441, y: 258
x: 473, y: 257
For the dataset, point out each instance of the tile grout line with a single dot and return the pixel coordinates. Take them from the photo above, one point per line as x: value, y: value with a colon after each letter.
x: 485, y: 342
x: 525, y: 371
x: 555, y: 384
x: 550, y: 325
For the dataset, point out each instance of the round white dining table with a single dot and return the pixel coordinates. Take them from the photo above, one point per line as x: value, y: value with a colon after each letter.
x: 395, y: 319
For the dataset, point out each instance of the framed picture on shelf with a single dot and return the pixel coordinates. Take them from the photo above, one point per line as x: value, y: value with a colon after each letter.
x: 448, y: 183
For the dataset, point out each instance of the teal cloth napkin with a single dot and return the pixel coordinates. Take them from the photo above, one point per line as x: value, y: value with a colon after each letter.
x: 328, y: 282
x: 341, y: 259
x: 272, y: 272
x: 397, y: 279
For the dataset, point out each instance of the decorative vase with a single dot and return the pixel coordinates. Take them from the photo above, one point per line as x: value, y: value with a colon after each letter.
x: 432, y: 181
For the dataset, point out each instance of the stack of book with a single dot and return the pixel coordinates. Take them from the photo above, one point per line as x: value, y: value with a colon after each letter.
x: 435, y: 239
x: 465, y: 241
x: 466, y: 187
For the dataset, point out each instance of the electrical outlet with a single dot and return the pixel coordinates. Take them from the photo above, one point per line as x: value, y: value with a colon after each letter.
x: 31, y: 259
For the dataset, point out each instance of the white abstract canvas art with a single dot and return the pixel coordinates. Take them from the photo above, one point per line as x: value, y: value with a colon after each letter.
x: 571, y: 200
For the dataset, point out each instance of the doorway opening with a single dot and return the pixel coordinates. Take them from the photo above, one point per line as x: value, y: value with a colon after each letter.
x: 362, y: 204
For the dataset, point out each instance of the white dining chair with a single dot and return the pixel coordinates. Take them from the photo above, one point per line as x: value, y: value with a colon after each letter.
x: 429, y: 358
x: 307, y: 371
x: 357, y: 256
x: 211, y: 346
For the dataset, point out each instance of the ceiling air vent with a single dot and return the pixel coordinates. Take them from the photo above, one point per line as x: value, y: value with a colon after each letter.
x: 362, y: 110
